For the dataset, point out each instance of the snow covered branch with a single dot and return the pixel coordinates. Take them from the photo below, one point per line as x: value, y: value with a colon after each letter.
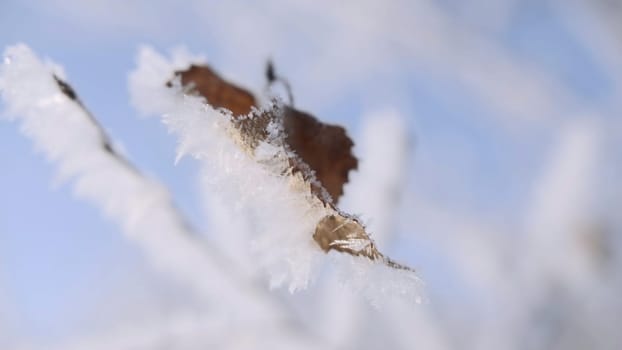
x: 249, y: 162
x: 52, y: 116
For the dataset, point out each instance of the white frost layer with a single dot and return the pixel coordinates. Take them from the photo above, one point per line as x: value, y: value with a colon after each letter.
x: 281, y: 209
x: 64, y: 132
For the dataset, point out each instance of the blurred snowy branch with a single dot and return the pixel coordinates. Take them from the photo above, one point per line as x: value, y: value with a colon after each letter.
x: 60, y: 126
x: 254, y: 172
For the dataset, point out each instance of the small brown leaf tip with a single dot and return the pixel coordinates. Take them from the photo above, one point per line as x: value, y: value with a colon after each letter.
x: 345, y: 235
x: 218, y: 92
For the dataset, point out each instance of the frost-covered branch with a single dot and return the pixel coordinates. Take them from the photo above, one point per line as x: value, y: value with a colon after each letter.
x: 249, y: 163
x: 52, y: 116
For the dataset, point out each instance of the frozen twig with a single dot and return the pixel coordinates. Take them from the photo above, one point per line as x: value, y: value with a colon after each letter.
x: 54, y: 118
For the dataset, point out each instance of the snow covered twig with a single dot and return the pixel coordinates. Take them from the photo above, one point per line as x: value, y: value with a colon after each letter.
x: 250, y: 165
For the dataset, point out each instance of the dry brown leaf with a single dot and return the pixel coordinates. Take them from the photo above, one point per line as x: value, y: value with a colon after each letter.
x: 337, y: 232
x: 325, y: 148
x: 218, y: 92
x: 347, y: 235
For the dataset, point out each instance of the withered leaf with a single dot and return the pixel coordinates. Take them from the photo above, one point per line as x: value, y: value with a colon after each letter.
x: 218, y: 92
x: 345, y: 234
x: 325, y: 148
x: 337, y: 232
